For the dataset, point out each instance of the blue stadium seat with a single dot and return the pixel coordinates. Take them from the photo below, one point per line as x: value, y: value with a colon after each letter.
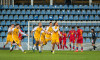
x: 4, y: 39
x: 78, y: 12
x: 1, y: 28
x: 71, y: 17
x: 5, y: 17
x: 97, y: 29
x: 23, y: 23
x: 30, y: 17
x: 7, y: 22
x: 13, y: 12
x: 35, y: 17
x: 0, y: 39
x: 52, y: 11
x: 63, y: 12
x: 70, y: 7
x: 91, y: 28
x: 10, y: 6
x: 89, y: 24
x: 99, y: 35
x: 96, y: 7
x: 41, y: 7
x: 13, y: 22
x: 73, y: 12
x: 21, y: 17
x: 58, y: 12
x: 55, y: 17
x: 75, y: 6
x: 94, y: 12
x: 38, y: 12
x: 3, y: 11
x: 45, y: 6
x: 5, y: 28
x: 26, y: 23
x: 75, y: 28
x: 82, y: 28
x: 48, y: 12
x: 68, y: 24
x: 11, y: 17
x: 91, y: 17
x: 25, y: 17
x: 8, y: 12
x: 66, y: 29
x: 30, y: 6
x: 61, y: 28
x: 86, y: 29
x: 80, y: 7
x: 89, y: 12
x: 33, y: 12
x: 18, y: 22
x: 1, y: 6
x: 89, y: 34
x: 55, y: 6
x: 83, y: 40
x: 20, y: 6
x: 5, y: 6
x: 73, y: 24
x: 61, y: 6
x: 40, y: 17
x: 85, y: 35
x: 68, y: 12
x: 50, y: 17
x: 86, y: 17
x: 43, y: 12
x: 97, y: 17
x: 98, y: 12
x: 90, y: 6
x: 25, y: 6
x: 98, y: 40
x: 23, y: 12
x: 2, y: 22
x: 18, y: 12
x: 79, y: 24
x: 66, y: 17
x: 45, y: 17
x: 83, y: 12
x: 25, y: 28
x: 35, y: 6
x: 25, y: 39
x: 15, y: 6
x: 85, y: 7
x: 87, y: 40
x: 50, y: 6
x: 94, y: 24
x: 1, y: 17
x: 2, y: 34
x: 16, y: 17
x: 65, y: 7
x: 60, y: 17
x: 76, y: 17
x: 81, y: 17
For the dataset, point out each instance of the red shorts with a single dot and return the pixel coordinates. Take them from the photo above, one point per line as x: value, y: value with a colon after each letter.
x: 64, y: 42
x: 80, y: 40
x: 72, y: 40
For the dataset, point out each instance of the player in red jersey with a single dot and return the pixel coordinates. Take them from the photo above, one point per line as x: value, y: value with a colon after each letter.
x: 72, y: 34
x: 64, y: 39
x: 79, y: 36
x: 60, y: 41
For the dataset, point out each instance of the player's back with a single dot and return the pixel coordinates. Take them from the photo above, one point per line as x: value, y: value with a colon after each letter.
x: 72, y: 33
x: 64, y: 36
x: 15, y: 31
x: 79, y: 33
x: 55, y: 33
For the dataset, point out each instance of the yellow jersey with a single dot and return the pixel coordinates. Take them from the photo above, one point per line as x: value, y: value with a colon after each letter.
x: 55, y: 32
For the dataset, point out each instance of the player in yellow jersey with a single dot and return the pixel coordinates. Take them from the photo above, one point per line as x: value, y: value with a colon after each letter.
x: 55, y: 36
x: 9, y: 36
x: 15, y: 32
x: 49, y: 30
x: 37, y: 33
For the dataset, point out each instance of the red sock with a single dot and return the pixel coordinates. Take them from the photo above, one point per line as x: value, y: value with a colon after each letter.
x: 66, y: 46
x: 70, y: 46
x: 82, y: 48
x: 73, y: 47
x: 76, y: 48
x: 58, y: 46
x: 61, y: 46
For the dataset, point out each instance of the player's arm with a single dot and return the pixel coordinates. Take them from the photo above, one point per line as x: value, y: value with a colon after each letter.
x: 9, y: 30
x: 68, y: 34
x: 55, y: 30
x: 23, y: 33
x: 59, y: 33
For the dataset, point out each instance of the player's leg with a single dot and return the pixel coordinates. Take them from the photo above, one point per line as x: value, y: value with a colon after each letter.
x: 70, y: 44
x: 93, y: 44
x: 73, y: 44
x: 8, y: 39
x: 39, y: 46
x: 65, y: 45
x: 53, y: 44
x: 81, y: 47
x: 76, y: 47
x: 61, y: 44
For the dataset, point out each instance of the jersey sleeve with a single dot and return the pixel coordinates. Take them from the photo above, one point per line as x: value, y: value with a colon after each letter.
x: 34, y: 29
x: 59, y: 33
x: 47, y: 28
x: 55, y: 29
x: 9, y: 30
x: 22, y: 32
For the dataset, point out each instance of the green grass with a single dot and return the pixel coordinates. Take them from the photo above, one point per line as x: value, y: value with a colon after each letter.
x: 46, y: 55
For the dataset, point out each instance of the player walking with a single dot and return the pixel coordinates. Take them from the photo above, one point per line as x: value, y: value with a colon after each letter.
x: 79, y: 37
x: 72, y: 34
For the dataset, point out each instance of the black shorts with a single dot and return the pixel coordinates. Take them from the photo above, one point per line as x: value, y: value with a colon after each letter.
x: 93, y: 41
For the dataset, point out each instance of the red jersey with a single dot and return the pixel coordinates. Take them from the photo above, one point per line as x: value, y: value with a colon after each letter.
x: 60, y: 38
x: 64, y: 36
x: 79, y: 33
x: 72, y: 33
x: 20, y: 35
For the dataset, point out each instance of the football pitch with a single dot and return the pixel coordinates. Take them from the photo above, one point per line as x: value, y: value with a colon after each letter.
x: 47, y: 55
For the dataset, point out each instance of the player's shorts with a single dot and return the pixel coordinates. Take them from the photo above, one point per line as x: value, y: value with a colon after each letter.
x: 37, y: 38
x: 64, y: 42
x: 60, y: 41
x: 93, y: 41
x: 72, y: 40
x: 80, y: 40
x: 16, y: 39
x: 48, y: 38
x: 55, y: 40
x: 9, y: 39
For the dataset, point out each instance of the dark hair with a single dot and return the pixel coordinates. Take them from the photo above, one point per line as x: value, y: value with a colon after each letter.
x: 92, y: 29
x: 50, y: 22
x: 12, y: 24
x: 73, y: 27
x: 17, y: 24
x: 78, y: 27
x: 55, y: 22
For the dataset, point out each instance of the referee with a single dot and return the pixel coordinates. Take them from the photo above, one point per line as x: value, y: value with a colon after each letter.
x: 93, y: 39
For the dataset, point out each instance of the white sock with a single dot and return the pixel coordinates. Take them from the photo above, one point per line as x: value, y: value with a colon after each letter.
x: 21, y: 48
x: 39, y: 48
x: 34, y: 47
